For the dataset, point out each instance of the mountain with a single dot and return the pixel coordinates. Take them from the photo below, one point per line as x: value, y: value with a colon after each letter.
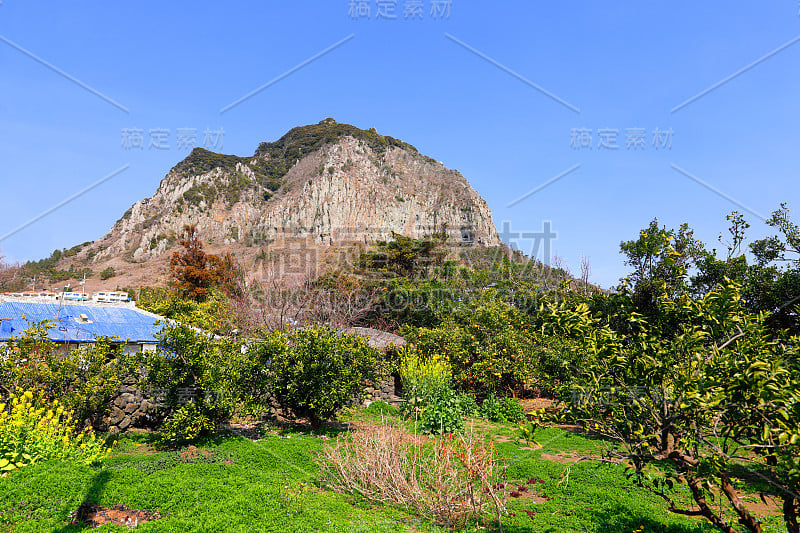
x: 318, y: 188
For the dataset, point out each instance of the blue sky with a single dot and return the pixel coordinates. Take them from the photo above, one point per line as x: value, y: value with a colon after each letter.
x: 491, y: 90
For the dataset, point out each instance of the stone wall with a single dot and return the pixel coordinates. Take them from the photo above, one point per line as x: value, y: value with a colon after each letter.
x: 386, y: 389
x: 130, y: 408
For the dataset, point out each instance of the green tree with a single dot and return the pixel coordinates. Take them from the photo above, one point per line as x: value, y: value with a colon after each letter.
x: 107, y: 273
x: 321, y: 371
x: 405, y: 256
x: 717, y: 394
x: 83, y: 379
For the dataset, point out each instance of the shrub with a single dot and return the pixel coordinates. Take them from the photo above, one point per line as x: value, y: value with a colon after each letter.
x: 186, y: 425
x: 33, y: 430
x: 453, y: 482
x: 429, y: 394
x: 490, y: 409
x: 381, y: 408
x: 467, y: 405
x: 217, y: 374
x: 321, y: 371
x: 489, y: 345
x: 512, y: 410
x: 441, y: 414
x: 423, y: 377
x: 213, y: 314
x: 502, y: 409
x: 107, y: 273
x: 84, y: 379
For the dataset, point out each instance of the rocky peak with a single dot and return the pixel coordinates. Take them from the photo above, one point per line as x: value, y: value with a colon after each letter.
x: 326, y: 183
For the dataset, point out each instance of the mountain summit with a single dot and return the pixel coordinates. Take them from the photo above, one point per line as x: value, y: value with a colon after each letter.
x: 325, y: 184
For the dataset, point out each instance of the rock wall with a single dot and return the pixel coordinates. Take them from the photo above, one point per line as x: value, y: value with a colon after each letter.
x: 131, y: 408
x: 386, y: 389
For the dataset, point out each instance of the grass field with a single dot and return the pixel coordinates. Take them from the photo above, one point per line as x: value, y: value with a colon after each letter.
x: 236, y: 484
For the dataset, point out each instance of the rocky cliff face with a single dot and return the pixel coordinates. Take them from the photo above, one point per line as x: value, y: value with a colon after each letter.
x: 327, y: 184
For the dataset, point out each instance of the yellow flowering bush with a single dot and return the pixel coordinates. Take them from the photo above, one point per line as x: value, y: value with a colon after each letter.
x: 423, y: 375
x: 33, y: 429
x: 430, y: 397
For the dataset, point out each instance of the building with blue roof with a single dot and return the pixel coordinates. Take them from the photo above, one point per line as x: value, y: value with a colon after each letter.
x: 72, y: 325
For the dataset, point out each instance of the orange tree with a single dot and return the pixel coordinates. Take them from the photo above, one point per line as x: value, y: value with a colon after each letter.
x: 716, y: 397
x: 490, y: 345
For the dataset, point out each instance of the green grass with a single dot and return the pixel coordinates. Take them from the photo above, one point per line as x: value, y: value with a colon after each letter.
x: 269, y: 485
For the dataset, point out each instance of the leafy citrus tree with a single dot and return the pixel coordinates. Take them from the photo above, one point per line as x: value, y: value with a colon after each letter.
x: 84, y: 379
x: 214, y: 314
x: 321, y: 371
x: 490, y: 346
x: 203, y: 379
x: 717, y: 394
x: 194, y: 365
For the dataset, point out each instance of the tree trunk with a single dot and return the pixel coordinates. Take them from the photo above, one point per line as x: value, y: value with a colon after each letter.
x: 700, y: 499
x: 791, y: 506
x: 745, y: 518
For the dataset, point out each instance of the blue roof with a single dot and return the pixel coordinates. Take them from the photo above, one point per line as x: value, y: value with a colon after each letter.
x: 126, y: 324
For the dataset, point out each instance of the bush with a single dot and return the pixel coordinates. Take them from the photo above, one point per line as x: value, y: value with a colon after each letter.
x: 441, y: 414
x: 107, y: 273
x: 84, y: 380
x: 453, y: 482
x: 423, y: 377
x: 490, y: 409
x: 512, y: 410
x: 502, y: 409
x: 33, y: 430
x: 467, y: 405
x: 219, y: 375
x: 320, y: 371
x: 381, y: 408
x: 488, y: 344
x: 186, y: 425
x: 213, y: 314
x: 429, y: 393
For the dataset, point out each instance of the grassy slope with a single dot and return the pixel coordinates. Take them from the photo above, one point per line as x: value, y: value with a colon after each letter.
x: 269, y: 487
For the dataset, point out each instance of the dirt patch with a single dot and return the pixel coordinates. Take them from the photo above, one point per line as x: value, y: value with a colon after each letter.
x: 560, y: 458
x: 95, y: 516
x: 141, y: 449
x: 526, y: 490
x: 570, y: 428
x: 534, y: 404
x: 769, y: 506
x: 192, y: 451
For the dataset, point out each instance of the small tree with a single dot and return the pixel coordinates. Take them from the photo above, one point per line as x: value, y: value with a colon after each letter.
x: 322, y: 371
x: 107, y: 273
x: 406, y: 256
x: 9, y: 274
x: 195, y: 272
x: 191, y: 274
